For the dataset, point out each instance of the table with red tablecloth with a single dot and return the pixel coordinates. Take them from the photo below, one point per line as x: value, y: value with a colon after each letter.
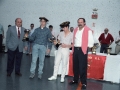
x: 96, y: 65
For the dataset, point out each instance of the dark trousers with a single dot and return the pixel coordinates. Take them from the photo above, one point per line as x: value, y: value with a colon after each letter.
x: 80, y: 65
x: 14, y: 59
x: 1, y: 38
x: 103, y: 48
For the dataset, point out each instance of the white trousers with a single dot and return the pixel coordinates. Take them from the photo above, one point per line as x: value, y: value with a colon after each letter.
x: 62, y: 54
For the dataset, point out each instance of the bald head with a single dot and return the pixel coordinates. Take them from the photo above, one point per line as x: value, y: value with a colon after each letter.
x: 106, y: 30
x: 18, y: 22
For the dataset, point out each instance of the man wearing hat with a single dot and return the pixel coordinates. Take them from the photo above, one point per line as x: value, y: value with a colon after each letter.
x: 65, y: 38
x: 40, y: 38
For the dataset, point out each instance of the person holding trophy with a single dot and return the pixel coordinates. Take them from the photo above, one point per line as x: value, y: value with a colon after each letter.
x: 65, y: 40
x: 40, y: 36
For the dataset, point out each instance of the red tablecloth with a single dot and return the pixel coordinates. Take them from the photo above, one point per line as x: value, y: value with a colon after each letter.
x: 95, y: 66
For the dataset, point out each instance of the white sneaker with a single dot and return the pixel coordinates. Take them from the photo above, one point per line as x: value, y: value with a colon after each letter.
x: 31, y: 75
x: 62, y: 80
x: 52, y: 78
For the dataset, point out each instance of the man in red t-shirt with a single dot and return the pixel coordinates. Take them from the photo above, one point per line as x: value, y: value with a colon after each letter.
x: 105, y: 40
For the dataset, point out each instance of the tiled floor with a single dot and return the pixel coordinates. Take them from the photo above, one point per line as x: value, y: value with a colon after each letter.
x: 24, y: 83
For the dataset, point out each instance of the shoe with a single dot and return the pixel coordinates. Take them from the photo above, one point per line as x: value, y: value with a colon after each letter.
x: 32, y: 76
x: 83, y: 87
x: 27, y: 53
x: 8, y: 74
x: 52, y: 78
x: 73, y: 82
x: 39, y: 76
x: 62, y: 80
x: 18, y: 74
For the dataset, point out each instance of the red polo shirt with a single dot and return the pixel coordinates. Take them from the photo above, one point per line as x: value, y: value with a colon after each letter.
x: 106, y: 40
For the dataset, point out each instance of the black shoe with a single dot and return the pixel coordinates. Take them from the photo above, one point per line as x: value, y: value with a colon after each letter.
x: 8, y: 74
x: 18, y: 74
x: 27, y: 53
x: 83, y: 87
x: 73, y: 82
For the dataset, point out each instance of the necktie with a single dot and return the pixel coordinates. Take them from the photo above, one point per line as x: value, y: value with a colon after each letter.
x: 18, y: 33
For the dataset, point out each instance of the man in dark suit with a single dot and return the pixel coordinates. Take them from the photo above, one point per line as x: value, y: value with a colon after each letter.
x: 15, y: 45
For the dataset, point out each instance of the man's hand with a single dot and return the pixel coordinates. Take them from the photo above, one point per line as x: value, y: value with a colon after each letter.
x: 25, y: 48
x: 55, y: 42
x: 109, y: 44
x: 63, y: 45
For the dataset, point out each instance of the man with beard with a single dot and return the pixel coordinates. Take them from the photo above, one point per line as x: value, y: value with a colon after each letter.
x: 82, y: 40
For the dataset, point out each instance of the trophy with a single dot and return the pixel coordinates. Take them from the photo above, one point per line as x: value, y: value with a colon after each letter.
x: 57, y: 44
x: 96, y: 45
x: 25, y: 38
x: 52, y: 39
x: 108, y: 50
x: 93, y: 50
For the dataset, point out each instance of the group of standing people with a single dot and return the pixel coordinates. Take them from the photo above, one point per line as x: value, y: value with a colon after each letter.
x: 80, y: 41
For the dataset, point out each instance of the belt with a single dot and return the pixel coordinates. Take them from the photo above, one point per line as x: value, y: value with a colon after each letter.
x: 78, y: 48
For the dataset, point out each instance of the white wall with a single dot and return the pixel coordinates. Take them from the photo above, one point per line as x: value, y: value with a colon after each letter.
x: 58, y: 11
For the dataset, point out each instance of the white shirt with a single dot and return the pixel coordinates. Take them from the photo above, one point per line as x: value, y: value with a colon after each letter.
x: 78, y: 38
x: 66, y: 40
x: 19, y: 29
x: 118, y: 38
x: 53, y: 33
x: 105, y: 35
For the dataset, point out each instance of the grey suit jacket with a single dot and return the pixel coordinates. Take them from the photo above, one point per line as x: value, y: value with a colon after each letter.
x: 12, y: 41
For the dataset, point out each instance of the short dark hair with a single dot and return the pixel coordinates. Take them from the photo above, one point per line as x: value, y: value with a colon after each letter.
x: 50, y: 26
x: 82, y: 19
x: 71, y: 27
x: 9, y: 25
x: 31, y: 24
x: 61, y: 30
